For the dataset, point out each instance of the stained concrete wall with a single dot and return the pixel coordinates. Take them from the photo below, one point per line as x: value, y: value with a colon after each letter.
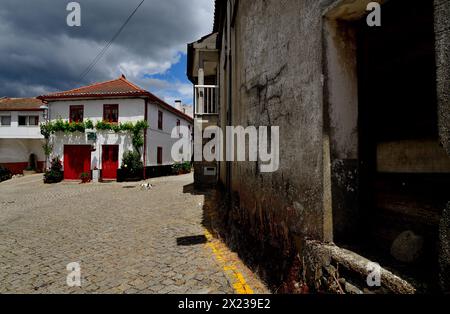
x: 442, y: 31
x: 279, y: 71
x: 277, y: 80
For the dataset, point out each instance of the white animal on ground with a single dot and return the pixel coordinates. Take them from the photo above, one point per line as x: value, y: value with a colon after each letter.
x: 146, y: 186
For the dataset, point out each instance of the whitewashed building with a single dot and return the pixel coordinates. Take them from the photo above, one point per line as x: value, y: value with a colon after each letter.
x: 20, y: 135
x: 116, y: 101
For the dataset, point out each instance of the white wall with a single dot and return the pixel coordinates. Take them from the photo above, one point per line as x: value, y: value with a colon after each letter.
x: 103, y: 138
x: 161, y: 138
x: 19, y: 150
x: 15, y: 131
x: 129, y: 110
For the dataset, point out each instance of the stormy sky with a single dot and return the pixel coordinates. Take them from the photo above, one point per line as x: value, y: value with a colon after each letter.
x: 40, y: 53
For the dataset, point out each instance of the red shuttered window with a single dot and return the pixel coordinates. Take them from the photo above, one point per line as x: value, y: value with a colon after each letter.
x: 111, y: 113
x: 76, y: 114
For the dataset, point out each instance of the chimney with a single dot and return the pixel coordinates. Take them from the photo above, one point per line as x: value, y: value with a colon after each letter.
x: 178, y: 104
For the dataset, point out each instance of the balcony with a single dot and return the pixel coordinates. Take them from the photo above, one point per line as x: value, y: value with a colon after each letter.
x: 206, y: 99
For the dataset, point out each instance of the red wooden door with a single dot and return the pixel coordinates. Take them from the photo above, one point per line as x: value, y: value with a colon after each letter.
x: 110, y: 161
x: 77, y: 159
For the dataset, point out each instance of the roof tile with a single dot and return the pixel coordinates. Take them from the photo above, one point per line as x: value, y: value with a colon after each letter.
x: 20, y: 104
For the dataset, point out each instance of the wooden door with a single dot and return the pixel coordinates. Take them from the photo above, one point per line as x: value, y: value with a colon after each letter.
x: 110, y: 161
x: 77, y: 159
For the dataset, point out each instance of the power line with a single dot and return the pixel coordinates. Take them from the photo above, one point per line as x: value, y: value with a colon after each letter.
x: 103, y: 51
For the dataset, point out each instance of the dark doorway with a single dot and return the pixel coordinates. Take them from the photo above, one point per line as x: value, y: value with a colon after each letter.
x: 403, y: 171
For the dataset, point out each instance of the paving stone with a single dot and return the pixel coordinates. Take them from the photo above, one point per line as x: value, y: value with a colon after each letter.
x: 124, y: 239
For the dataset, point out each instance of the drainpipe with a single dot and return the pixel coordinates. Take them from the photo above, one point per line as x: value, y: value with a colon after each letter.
x: 145, y: 138
x: 46, y: 117
x: 229, y: 91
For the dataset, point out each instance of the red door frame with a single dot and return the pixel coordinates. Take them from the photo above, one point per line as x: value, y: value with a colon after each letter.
x: 77, y: 159
x: 110, y: 161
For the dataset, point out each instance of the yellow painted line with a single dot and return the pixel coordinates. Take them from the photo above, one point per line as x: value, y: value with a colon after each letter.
x: 238, y: 282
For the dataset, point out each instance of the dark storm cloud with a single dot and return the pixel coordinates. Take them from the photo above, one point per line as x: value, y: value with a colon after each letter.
x: 40, y: 53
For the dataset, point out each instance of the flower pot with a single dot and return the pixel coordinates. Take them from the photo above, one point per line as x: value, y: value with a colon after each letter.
x: 85, y: 180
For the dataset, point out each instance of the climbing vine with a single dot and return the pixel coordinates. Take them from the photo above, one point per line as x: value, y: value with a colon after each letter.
x: 135, y: 129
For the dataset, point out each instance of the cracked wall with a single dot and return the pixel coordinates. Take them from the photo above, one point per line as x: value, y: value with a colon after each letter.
x: 279, y: 72
x: 442, y: 33
x: 277, y: 81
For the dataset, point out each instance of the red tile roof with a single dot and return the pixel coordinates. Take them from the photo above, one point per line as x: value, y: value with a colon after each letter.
x: 20, y: 104
x: 119, y: 87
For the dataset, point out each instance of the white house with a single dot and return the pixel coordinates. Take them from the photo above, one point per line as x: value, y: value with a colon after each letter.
x: 116, y: 101
x: 20, y: 134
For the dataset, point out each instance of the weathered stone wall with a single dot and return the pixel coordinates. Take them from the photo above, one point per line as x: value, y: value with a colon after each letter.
x: 444, y: 250
x: 442, y: 31
x: 278, y: 73
x: 277, y: 81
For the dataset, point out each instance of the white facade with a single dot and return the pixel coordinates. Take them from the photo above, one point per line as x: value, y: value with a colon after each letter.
x: 130, y: 110
x: 19, y: 150
x: 14, y: 131
x: 18, y: 142
x: 161, y: 138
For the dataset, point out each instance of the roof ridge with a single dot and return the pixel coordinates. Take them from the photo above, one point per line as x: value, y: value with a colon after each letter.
x: 86, y: 86
x: 123, y: 78
x: 170, y: 106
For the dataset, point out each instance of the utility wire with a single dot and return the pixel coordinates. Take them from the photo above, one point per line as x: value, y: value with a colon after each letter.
x: 103, y: 51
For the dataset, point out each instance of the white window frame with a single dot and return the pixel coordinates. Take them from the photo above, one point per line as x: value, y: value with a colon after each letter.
x: 27, y: 120
x: 10, y: 120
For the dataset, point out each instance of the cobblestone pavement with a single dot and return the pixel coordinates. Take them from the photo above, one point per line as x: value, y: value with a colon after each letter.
x: 126, y: 240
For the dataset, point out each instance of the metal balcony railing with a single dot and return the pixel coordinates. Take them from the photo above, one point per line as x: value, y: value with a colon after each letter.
x: 206, y: 99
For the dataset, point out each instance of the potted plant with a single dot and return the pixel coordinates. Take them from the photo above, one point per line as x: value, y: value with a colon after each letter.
x: 85, y: 177
x: 54, y: 174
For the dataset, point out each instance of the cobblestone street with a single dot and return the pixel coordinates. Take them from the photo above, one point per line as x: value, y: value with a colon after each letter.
x: 126, y: 240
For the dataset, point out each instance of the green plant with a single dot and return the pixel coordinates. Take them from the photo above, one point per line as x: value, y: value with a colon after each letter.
x: 127, y: 126
x: 176, y: 167
x: 180, y: 168
x: 72, y: 127
x: 136, y: 130
x: 48, y: 148
x: 5, y: 174
x: 137, y: 134
x: 88, y: 124
x: 103, y: 126
x: 54, y: 175
x: 46, y: 130
x: 186, y: 166
x: 59, y: 126
x: 132, y: 163
x: 85, y: 177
